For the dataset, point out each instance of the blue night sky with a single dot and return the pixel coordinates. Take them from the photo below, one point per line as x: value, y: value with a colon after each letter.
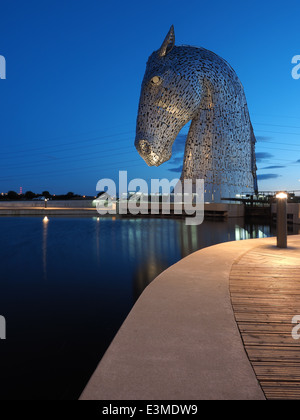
x: 74, y: 71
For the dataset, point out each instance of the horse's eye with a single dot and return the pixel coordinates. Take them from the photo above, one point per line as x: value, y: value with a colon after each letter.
x: 156, y: 80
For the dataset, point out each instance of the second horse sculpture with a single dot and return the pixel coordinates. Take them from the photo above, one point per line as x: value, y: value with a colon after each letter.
x: 184, y: 83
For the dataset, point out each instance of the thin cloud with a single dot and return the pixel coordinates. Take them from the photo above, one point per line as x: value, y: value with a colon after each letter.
x: 263, y: 138
x: 265, y: 177
x: 179, y: 144
x: 51, y: 157
x: 274, y: 167
x: 260, y: 156
x: 178, y: 154
x: 176, y: 169
x: 176, y: 160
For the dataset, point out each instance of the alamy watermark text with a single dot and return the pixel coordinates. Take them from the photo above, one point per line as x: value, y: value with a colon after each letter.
x: 296, y: 329
x: 296, y: 68
x: 2, y: 67
x: 180, y: 197
x: 2, y: 328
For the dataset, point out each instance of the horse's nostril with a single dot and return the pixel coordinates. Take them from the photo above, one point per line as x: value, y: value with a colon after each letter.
x: 144, y: 146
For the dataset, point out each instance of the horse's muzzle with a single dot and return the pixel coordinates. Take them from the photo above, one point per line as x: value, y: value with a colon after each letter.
x: 146, y: 151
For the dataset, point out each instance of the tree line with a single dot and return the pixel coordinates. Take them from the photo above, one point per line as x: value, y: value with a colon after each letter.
x: 29, y: 195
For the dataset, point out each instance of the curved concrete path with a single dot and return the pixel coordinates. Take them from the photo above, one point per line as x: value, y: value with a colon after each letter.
x: 181, y: 340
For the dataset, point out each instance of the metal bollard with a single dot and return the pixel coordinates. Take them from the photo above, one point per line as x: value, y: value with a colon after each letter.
x: 281, y: 220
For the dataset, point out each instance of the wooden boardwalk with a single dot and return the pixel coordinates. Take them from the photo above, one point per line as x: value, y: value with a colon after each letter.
x: 265, y: 293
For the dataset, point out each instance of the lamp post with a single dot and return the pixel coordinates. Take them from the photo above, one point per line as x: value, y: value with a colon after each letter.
x: 282, y: 220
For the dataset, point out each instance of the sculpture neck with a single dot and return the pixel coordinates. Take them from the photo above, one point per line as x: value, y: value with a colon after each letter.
x: 198, y: 151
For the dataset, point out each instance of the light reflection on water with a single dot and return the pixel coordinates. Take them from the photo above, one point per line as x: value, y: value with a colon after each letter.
x: 45, y: 235
x: 67, y: 285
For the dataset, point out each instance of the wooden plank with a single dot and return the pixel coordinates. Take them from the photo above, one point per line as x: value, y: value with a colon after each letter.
x: 254, y: 292
x: 267, y: 327
x: 283, y: 372
x: 251, y: 339
x: 276, y: 390
x: 267, y: 301
x: 289, y: 311
x: 262, y: 317
x: 262, y: 353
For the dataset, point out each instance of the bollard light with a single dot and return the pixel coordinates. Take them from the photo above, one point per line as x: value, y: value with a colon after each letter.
x: 282, y: 219
x: 282, y: 196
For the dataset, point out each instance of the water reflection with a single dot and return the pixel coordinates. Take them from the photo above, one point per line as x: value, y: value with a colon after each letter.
x: 45, y: 237
x: 98, y: 241
x: 181, y: 240
x: 143, y: 248
x: 95, y: 270
x: 145, y: 273
x: 156, y: 244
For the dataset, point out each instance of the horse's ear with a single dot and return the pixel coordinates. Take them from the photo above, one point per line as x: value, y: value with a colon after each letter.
x: 168, y: 43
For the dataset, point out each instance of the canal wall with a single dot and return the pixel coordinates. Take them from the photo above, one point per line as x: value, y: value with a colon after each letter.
x: 50, y: 204
x: 52, y: 208
x: 216, y: 210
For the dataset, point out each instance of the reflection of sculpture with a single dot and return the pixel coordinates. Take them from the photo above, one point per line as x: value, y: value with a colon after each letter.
x: 188, y: 83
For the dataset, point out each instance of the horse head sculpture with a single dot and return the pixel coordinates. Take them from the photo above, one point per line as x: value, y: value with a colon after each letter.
x: 182, y: 84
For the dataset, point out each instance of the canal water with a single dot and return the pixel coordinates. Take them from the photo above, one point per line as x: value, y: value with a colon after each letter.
x: 67, y: 284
